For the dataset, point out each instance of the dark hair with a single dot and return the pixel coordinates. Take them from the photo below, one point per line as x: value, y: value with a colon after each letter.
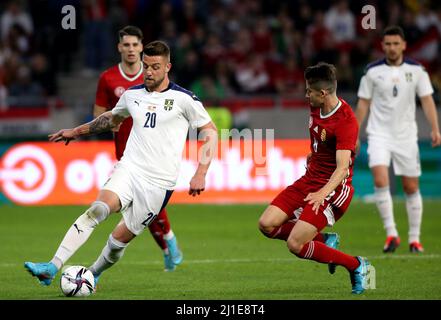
x: 130, y: 31
x: 322, y: 76
x: 157, y: 48
x: 394, y: 31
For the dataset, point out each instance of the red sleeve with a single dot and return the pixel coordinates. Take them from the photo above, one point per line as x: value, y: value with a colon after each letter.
x: 346, y: 134
x: 101, y: 98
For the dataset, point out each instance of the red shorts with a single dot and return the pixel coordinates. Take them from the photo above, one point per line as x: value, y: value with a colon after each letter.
x: 291, y: 202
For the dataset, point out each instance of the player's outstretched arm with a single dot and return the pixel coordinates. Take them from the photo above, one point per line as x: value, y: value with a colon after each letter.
x: 104, y: 122
x: 208, y: 134
x: 361, y: 113
x: 432, y: 117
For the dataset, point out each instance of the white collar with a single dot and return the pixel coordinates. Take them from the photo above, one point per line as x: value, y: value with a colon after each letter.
x: 126, y: 77
x: 332, y: 112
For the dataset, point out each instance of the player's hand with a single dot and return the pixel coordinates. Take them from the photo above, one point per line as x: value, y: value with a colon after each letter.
x: 436, y: 139
x: 197, y: 185
x: 316, y: 199
x: 63, y: 135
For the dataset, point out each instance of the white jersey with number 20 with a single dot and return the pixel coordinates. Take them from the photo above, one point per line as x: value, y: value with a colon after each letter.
x: 160, y: 125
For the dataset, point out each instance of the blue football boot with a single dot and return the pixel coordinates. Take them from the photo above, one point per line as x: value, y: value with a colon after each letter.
x: 168, y: 263
x: 45, y: 272
x: 363, y: 277
x: 332, y: 240
x: 175, y: 252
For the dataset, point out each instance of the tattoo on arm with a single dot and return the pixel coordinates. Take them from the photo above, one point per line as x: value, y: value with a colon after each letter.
x: 101, y: 124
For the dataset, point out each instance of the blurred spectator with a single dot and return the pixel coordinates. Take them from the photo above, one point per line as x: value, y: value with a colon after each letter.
x: 189, y: 71
x: 305, y: 17
x: 410, y: 28
x: 24, y: 92
x: 208, y: 90
x: 3, y: 89
x: 241, y: 47
x: 252, y: 75
x: 360, y: 56
x: 318, y: 36
x: 321, y: 44
x: 262, y: 37
x: 96, y: 36
x: 225, y: 77
x: 18, y: 40
x: 289, y: 79
x: 169, y: 34
x: 42, y: 73
x: 392, y: 13
x: 212, y: 52
x: 426, y: 18
x: 15, y: 15
x: 283, y: 30
x: 183, y: 46
x: 188, y: 17
x: 3, y: 98
x: 345, y: 72
x: 341, y: 22
x: 11, y: 65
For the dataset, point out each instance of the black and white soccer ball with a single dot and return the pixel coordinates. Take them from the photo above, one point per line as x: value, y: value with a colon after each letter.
x: 77, y: 281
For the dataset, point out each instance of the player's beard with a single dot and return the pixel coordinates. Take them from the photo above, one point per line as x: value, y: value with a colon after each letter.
x: 315, y: 104
x: 153, y: 85
x: 393, y: 58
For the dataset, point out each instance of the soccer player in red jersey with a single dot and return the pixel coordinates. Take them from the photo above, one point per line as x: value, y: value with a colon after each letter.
x: 111, y: 85
x: 323, y: 194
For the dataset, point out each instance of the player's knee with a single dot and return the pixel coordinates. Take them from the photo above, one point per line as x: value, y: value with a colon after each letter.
x: 98, y: 212
x: 410, y: 188
x: 380, y: 182
x: 265, y: 227
x: 294, y: 246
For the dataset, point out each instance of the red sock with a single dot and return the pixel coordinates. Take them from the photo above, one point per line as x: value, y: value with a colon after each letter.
x: 284, y: 230
x: 156, y: 231
x: 163, y: 221
x: 320, y: 252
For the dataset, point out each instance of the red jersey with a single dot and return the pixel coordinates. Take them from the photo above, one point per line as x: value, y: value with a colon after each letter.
x: 111, y: 85
x: 336, y: 131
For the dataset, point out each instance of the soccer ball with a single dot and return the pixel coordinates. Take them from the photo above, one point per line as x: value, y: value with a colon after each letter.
x: 77, y: 281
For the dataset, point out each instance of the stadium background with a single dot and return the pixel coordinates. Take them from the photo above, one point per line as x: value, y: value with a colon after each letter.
x: 244, y: 59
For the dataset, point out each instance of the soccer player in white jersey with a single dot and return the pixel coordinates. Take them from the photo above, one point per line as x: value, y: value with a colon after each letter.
x: 143, y: 180
x: 388, y: 88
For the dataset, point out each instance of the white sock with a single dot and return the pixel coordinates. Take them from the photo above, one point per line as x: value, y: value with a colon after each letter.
x: 414, y: 206
x: 80, y: 231
x: 112, y: 252
x: 169, y: 235
x: 383, y: 200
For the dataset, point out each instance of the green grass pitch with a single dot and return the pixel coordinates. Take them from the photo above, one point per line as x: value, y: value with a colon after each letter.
x: 225, y: 257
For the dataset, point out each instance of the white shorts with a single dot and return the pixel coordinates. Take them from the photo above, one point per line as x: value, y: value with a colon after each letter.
x: 405, y: 156
x: 141, y: 201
